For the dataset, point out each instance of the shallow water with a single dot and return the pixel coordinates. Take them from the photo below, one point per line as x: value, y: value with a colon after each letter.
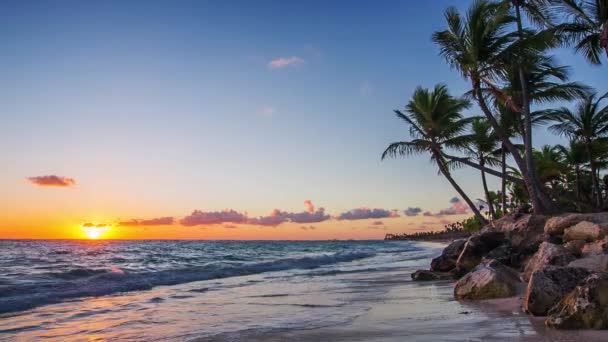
x: 167, y: 290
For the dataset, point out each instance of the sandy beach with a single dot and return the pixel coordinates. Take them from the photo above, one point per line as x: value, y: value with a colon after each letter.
x: 427, y: 311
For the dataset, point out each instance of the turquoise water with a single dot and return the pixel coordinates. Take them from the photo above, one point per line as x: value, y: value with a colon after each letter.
x: 168, y: 290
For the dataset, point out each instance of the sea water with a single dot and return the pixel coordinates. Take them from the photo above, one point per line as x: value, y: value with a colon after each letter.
x: 184, y: 290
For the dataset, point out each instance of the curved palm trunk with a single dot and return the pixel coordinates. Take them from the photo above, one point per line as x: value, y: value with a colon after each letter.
x: 503, y: 181
x: 540, y: 200
x: 487, y: 193
x: 444, y: 170
x: 495, y: 173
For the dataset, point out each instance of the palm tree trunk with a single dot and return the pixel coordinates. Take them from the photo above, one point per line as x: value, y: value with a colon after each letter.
x: 503, y: 181
x: 487, y: 193
x: 577, y: 178
x: 444, y: 170
x: 594, y: 183
x: 604, y: 38
x: 540, y: 201
x: 489, y: 171
x: 525, y: 109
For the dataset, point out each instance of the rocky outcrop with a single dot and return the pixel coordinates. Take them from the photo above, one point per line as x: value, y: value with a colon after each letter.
x: 575, y: 247
x: 547, y: 254
x: 586, y: 307
x: 447, y: 260
x: 594, y: 263
x: 583, y: 230
x: 557, y: 224
x: 490, y: 279
x: 476, y: 247
x: 425, y: 275
x: 524, y: 231
x: 596, y: 247
x: 547, y: 286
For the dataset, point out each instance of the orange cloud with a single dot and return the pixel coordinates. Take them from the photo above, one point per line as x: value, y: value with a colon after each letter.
x: 160, y: 221
x: 52, y: 180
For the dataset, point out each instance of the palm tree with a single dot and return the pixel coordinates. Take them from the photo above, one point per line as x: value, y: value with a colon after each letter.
x: 435, y: 122
x: 586, y: 26
x: 588, y: 124
x: 482, y: 145
x: 479, y: 47
x: 550, y: 166
x: 575, y: 155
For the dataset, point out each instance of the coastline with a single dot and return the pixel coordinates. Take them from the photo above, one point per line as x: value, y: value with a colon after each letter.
x: 427, y: 311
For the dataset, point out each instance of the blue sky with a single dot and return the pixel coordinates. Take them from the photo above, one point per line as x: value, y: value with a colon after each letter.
x: 169, y: 106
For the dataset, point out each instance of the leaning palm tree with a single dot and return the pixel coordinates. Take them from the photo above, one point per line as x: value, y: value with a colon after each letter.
x: 585, y: 27
x: 479, y: 46
x: 482, y: 145
x: 435, y: 122
x: 588, y: 123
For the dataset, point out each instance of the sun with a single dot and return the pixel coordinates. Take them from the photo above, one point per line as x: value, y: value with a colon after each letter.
x: 94, y: 232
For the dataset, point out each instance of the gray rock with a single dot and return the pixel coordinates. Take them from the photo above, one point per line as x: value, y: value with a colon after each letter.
x: 525, y: 232
x: 583, y: 230
x: 490, y: 279
x: 476, y: 247
x: 548, y: 254
x: 586, y: 307
x: 575, y: 247
x: 557, y: 224
x: 596, y: 247
x: 549, y: 285
x: 594, y: 263
x: 447, y: 260
x: 425, y: 275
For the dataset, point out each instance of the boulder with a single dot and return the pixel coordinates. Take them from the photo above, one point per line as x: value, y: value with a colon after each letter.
x: 597, y: 247
x: 594, y: 263
x: 447, y: 260
x: 525, y: 232
x: 476, y: 247
x: 586, y: 307
x: 583, y: 230
x: 549, y: 285
x: 490, y: 279
x: 557, y: 224
x: 548, y: 254
x: 425, y: 275
x: 575, y: 247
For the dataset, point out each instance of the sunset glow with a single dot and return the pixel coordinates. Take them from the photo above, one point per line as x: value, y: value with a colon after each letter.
x: 94, y: 233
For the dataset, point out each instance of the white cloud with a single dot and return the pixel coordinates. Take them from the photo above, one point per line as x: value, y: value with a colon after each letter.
x: 283, y: 62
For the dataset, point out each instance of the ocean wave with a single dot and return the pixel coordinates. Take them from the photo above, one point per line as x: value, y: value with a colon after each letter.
x: 92, y: 283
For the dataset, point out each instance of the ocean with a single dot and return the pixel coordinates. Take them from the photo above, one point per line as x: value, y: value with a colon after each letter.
x: 188, y: 290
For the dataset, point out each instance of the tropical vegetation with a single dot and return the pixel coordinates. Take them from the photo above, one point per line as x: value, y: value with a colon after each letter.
x: 503, y: 50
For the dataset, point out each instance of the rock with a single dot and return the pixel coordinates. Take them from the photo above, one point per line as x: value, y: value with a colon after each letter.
x: 490, y: 279
x: 525, y: 232
x: 575, y: 247
x: 583, y: 230
x: 476, y: 247
x: 597, y: 247
x: 549, y: 285
x: 447, y: 260
x: 594, y: 263
x: 425, y: 275
x: 548, y: 254
x: 557, y: 224
x: 586, y: 307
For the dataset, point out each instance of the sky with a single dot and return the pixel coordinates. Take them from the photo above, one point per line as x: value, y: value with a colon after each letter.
x: 222, y: 119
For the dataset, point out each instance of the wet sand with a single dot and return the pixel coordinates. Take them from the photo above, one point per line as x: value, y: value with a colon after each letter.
x: 427, y: 312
